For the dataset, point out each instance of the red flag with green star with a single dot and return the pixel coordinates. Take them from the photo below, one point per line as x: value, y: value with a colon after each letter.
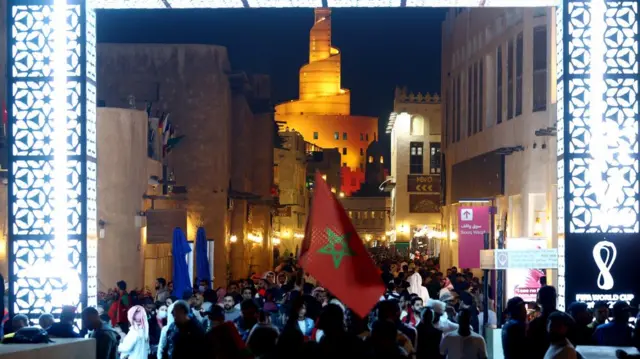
x: 333, y: 253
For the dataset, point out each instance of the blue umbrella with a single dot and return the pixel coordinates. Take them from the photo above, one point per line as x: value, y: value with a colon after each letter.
x: 181, y: 276
x: 202, y: 262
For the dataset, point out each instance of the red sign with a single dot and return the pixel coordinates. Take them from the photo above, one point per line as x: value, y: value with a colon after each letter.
x: 473, y: 223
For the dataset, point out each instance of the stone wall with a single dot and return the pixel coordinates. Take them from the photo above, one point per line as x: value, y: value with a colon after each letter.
x: 122, y: 182
x: 190, y: 82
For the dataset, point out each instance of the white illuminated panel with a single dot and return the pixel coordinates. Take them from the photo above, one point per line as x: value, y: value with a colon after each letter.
x: 205, y: 4
x: 284, y: 3
x: 603, y: 146
x: 128, y: 4
x: 364, y: 3
x: 46, y: 173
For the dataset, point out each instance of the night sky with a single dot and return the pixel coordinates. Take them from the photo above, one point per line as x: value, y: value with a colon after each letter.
x: 381, y: 48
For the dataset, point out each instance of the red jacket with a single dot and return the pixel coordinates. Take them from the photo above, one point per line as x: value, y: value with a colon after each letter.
x: 118, y: 311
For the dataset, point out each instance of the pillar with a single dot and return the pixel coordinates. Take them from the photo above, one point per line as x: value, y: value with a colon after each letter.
x: 597, y: 144
x: 52, y: 155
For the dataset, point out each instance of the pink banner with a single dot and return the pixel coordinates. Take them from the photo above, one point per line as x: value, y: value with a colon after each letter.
x: 473, y: 223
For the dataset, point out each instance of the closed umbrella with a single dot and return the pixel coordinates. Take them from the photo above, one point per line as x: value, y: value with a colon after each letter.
x: 202, y: 261
x: 181, y: 277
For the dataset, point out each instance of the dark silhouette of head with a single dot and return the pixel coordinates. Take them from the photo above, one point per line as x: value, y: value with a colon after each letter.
x: 331, y: 320
x: 547, y: 298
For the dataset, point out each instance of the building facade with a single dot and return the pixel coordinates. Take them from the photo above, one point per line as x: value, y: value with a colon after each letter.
x: 322, y: 114
x: 370, y: 216
x: 290, y: 178
x: 414, y: 180
x: 498, y: 145
x: 224, y: 162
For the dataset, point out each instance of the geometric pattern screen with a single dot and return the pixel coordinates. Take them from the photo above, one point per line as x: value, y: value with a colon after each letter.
x: 52, y: 192
x: 53, y: 174
x: 597, y: 143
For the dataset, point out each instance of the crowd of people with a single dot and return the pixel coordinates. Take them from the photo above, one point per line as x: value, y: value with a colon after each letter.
x: 423, y: 314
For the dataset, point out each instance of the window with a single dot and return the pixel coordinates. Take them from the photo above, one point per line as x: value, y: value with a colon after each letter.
x: 361, y: 152
x: 344, y: 150
x: 540, y: 68
x: 336, y: 135
x: 381, y: 160
x: 350, y: 214
x: 367, y: 137
x: 370, y: 159
x: 416, y: 157
x: 454, y: 108
x: 499, y: 85
x: 344, y: 136
x: 459, y: 113
x: 365, y: 215
x: 362, y: 137
x: 480, y: 95
x: 510, y: 80
x: 519, y: 65
x: 447, y: 120
x: 434, y: 154
x: 417, y: 126
x: 476, y: 108
x: 344, y: 164
x: 315, y: 136
x: 469, y: 99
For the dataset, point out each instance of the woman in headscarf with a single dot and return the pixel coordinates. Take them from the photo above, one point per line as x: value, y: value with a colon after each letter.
x: 221, y: 293
x: 163, y: 334
x: 136, y: 344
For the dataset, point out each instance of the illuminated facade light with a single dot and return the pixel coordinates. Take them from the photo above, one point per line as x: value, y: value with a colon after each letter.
x: 52, y: 157
x: 255, y: 237
x: 233, y: 238
x: 597, y: 147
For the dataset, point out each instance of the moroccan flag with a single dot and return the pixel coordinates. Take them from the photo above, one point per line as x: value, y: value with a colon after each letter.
x: 333, y: 253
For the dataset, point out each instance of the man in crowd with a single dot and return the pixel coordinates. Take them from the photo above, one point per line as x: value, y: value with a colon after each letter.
x: 106, y: 338
x: 162, y: 293
x: 65, y: 327
x: 231, y: 313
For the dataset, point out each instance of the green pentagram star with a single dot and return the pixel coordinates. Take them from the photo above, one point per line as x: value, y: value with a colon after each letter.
x: 337, y: 253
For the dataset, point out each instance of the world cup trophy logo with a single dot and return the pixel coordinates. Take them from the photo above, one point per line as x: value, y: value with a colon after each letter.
x: 604, y: 263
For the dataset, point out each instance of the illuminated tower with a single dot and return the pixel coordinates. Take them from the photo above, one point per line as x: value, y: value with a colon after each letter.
x: 322, y: 114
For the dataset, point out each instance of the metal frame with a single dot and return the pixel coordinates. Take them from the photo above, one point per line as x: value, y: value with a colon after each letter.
x: 573, y: 76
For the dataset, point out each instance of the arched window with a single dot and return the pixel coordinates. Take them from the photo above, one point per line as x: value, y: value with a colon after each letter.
x: 381, y: 160
x: 417, y: 125
x: 370, y: 159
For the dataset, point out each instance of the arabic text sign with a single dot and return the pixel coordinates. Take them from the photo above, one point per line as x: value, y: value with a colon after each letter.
x: 515, y: 258
x: 473, y: 223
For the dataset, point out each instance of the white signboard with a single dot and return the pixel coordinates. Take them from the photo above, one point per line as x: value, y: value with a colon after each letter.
x: 515, y: 258
x: 524, y: 282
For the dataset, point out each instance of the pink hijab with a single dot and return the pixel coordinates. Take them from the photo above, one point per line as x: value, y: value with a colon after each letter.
x: 142, y: 327
x: 221, y: 293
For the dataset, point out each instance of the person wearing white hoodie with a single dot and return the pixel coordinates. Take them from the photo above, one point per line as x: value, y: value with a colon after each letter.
x: 136, y: 344
x: 416, y: 287
x: 163, y: 334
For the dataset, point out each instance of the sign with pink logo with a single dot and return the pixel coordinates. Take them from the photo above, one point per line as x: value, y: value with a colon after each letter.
x: 522, y: 282
x: 473, y: 223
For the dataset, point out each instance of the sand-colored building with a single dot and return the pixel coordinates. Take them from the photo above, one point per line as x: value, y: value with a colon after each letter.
x: 414, y: 180
x: 322, y: 114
